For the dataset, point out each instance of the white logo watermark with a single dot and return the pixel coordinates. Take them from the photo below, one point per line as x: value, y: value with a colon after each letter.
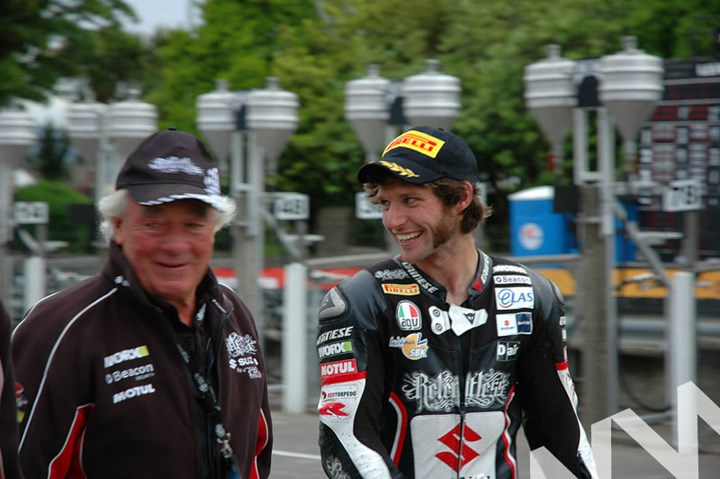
x: 682, y: 462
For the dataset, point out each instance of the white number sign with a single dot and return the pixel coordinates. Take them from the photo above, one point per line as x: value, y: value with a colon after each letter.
x: 291, y: 206
x: 682, y: 195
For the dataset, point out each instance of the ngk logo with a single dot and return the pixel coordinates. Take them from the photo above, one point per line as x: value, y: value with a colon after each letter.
x: 460, y: 452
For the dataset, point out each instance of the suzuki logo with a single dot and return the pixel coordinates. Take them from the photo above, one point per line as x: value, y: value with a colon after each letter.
x: 456, y: 459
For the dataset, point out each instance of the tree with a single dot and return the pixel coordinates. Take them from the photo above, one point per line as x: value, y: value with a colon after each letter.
x: 50, y: 159
x: 43, y: 41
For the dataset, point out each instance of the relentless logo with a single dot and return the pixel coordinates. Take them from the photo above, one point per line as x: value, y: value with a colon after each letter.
x: 334, y: 334
x: 417, y: 141
x: 126, y: 355
x: 485, y: 388
x: 408, y: 316
x: 133, y: 393
x: 414, y: 274
x: 391, y: 274
x: 413, y: 346
x: 437, y: 394
x: 460, y: 452
x: 335, y: 349
x: 401, y: 289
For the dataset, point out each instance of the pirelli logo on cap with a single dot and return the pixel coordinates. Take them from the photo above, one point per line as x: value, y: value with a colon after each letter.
x: 420, y: 142
x: 401, y: 289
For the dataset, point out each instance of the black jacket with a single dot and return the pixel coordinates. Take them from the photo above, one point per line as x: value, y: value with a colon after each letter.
x: 8, y: 414
x: 106, y: 393
x: 413, y: 387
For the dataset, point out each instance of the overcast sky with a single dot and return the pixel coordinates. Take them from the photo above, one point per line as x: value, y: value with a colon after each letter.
x: 160, y: 13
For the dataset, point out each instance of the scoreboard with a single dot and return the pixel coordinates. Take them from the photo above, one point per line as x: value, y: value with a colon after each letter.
x: 679, y: 145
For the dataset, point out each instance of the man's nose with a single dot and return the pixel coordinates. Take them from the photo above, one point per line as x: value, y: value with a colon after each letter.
x: 393, y: 217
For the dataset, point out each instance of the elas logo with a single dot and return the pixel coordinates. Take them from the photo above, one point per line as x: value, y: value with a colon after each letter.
x: 514, y: 298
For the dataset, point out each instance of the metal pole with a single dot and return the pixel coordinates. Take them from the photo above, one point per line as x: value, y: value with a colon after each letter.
x: 606, y: 157
x: 294, y: 339
x: 248, y: 239
x: 692, y: 238
x: 580, y: 146
x: 6, y: 200
x: 35, y: 275
x: 681, y: 338
x: 592, y: 308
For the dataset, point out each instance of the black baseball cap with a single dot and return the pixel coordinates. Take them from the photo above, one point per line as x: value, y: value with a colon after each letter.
x: 424, y: 154
x: 171, y: 165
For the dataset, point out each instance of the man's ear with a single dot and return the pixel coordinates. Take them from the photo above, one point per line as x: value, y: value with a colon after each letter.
x: 117, y: 230
x: 467, y: 197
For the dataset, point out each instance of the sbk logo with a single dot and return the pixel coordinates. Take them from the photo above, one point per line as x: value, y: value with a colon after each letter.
x: 460, y: 452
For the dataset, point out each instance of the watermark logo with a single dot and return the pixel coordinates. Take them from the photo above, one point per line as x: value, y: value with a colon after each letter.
x: 681, y: 462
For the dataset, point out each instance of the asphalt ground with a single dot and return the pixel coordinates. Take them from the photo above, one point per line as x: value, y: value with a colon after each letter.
x: 296, y: 454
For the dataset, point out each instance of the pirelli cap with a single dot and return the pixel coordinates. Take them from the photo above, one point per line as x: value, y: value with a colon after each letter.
x: 171, y: 165
x: 421, y: 155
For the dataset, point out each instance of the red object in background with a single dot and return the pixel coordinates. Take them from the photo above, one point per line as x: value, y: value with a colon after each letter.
x: 274, y: 278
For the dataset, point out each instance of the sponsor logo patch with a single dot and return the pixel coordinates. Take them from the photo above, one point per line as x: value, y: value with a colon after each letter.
x: 338, y: 369
x: 508, y: 268
x: 333, y: 349
x: 242, y: 351
x: 408, y: 316
x: 138, y: 373
x: 334, y: 334
x: 512, y: 279
x: 515, y: 323
x: 419, y: 278
x: 417, y: 141
x: 507, y: 350
x: 401, y: 289
x: 514, y: 298
x: 413, y: 346
x: 391, y: 274
x: 126, y: 355
x: 133, y: 393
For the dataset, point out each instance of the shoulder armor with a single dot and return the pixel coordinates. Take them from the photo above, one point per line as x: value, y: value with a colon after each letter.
x: 358, y: 295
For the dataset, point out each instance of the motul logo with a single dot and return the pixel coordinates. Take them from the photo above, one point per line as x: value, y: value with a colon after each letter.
x: 460, y: 452
x: 338, y: 368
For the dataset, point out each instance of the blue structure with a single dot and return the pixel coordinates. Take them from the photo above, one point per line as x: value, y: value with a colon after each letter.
x: 536, y: 230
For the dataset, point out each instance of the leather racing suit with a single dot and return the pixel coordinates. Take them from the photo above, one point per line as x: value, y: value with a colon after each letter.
x: 412, y: 387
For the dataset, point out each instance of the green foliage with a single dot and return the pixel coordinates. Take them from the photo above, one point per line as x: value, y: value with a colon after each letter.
x: 50, y: 159
x: 316, y: 46
x: 43, y: 41
x: 59, y: 197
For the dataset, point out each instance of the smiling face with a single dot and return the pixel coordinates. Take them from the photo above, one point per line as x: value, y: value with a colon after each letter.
x: 423, y: 226
x: 169, y: 247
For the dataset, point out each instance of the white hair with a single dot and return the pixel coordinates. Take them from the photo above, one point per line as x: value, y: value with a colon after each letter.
x: 114, y: 205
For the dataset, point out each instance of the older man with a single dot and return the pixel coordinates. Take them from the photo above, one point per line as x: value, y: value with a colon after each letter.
x: 150, y: 368
x: 8, y: 422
